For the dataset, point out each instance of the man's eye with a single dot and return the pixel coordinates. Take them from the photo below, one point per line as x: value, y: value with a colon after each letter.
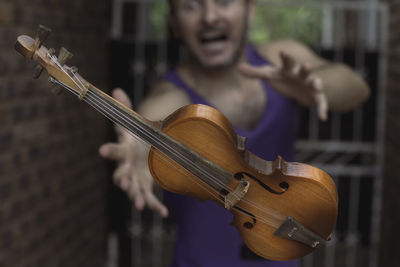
x: 192, y: 5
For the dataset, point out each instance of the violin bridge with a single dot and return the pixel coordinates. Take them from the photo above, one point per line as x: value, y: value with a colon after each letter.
x: 294, y: 230
x: 234, y: 197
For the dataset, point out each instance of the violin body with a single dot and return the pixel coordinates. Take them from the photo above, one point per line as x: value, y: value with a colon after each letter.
x: 309, y: 194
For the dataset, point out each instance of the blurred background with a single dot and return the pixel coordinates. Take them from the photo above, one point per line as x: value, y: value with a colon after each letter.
x: 58, y: 206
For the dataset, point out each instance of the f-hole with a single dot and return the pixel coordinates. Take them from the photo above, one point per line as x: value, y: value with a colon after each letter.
x: 283, y: 185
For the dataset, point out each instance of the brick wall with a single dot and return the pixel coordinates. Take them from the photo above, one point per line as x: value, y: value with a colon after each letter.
x: 389, y: 250
x: 53, y: 185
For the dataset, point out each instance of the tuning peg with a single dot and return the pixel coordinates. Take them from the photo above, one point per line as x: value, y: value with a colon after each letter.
x: 55, y: 88
x: 37, y: 71
x: 74, y: 69
x: 64, y: 55
x: 41, y: 35
x: 51, y: 52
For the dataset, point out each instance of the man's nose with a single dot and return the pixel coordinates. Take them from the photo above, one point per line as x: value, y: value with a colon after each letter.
x: 210, y: 14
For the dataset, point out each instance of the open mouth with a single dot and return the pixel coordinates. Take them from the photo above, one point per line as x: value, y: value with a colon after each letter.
x: 213, y: 38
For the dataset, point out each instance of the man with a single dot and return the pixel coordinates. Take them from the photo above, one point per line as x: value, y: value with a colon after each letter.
x: 255, y: 88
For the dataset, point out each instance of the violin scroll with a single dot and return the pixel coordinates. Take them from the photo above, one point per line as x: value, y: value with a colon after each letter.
x: 55, y: 66
x: 27, y: 47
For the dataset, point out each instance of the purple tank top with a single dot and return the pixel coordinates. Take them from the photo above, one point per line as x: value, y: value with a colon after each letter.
x: 204, y: 237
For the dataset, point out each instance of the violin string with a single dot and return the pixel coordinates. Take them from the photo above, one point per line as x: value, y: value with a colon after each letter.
x: 99, y: 108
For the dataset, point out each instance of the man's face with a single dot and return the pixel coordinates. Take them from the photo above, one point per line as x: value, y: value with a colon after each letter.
x: 213, y: 31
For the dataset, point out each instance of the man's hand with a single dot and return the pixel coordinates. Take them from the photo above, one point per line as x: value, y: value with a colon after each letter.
x: 132, y: 174
x: 292, y: 80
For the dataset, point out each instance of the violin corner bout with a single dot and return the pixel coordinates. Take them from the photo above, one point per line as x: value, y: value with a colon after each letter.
x: 279, y: 164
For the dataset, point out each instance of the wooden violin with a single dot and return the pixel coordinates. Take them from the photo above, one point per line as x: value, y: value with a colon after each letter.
x: 282, y: 210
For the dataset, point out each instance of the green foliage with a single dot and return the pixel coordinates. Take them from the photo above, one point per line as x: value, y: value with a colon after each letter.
x: 273, y: 22
x: 158, y: 19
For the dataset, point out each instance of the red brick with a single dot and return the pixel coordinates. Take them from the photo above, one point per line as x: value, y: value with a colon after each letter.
x: 6, y: 139
x: 5, y: 191
x: 6, y: 12
x: 48, y: 176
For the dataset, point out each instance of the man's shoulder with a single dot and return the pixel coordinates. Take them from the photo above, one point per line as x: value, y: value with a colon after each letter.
x: 164, y: 98
x: 167, y: 84
x: 164, y: 87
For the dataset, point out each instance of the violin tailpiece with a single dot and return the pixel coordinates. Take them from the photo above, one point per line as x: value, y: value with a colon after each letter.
x: 294, y: 230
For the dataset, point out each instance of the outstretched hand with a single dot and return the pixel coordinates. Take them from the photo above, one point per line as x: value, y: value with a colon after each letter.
x: 132, y: 174
x: 293, y: 80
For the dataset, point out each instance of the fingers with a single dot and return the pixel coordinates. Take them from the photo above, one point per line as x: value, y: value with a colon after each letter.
x: 122, y: 132
x: 154, y: 204
x: 263, y: 72
x: 305, y: 71
x: 122, y: 97
x: 322, y: 107
x: 112, y: 151
x: 317, y: 84
x: 318, y: 94
x: 139, y: 189
x: 124, y: 178
x: 121, y: 177
x: 293, y: 80
x: 123, y: 183
x: 135, y: 193
x: 290, y: 69
x: 288, y: 62
x: 320, y: 99
x: 143, y: 196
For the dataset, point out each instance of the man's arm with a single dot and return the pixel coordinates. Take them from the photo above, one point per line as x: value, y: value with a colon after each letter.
x: 343, y: 87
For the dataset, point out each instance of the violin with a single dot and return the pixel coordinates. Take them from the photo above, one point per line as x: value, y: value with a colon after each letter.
x: 282, y: 210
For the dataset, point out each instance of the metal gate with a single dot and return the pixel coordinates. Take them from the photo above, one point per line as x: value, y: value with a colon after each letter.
x: 349, y: 147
